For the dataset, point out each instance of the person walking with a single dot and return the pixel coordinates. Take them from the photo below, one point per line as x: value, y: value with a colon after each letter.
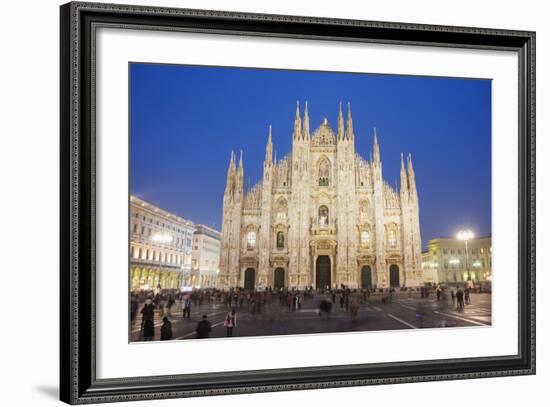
x: 453, y: 296
x: 186, y: 307
x: 166, y: 330
x: 230, y: 322
x: 467, y: 295
x: 147, y: 320
x: 459, y: 299
x: 203, y: 328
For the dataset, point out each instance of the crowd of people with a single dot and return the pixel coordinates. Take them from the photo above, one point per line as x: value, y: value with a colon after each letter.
x: 460, y: 296
x: 253, y: 302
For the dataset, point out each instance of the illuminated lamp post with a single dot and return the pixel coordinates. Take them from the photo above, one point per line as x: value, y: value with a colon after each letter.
x: 466, y: 235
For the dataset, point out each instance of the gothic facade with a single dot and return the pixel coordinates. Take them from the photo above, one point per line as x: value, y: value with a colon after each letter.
x: 322, y: 216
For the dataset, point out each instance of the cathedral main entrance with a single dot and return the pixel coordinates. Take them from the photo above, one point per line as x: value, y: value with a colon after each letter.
x: 279, y: 278
x: 394, y: 276
x: 366, y: 277
x: 322, y: 272
x: 249, y: 279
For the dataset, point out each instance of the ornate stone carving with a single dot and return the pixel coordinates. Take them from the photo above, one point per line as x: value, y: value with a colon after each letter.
x: 321, y: 198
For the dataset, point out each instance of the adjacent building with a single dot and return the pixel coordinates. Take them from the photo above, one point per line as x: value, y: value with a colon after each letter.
x: 448, y: 260
x: 205, y: 260
x: 322, y: 216
x: 160, y: 247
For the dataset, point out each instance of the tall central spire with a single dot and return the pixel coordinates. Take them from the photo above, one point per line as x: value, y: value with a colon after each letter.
x: 376, y: 148
x: 241, y: 163
x: 349, y: 125
x: 297, y: 123
x: 305, y: 133
x: 269, y: 149
x: 340, y: 123
x: 412, y: 181
x: 231, y: 167
x: 403, y: 177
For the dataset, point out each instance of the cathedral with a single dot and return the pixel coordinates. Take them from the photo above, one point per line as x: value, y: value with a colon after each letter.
x: 320, y: 217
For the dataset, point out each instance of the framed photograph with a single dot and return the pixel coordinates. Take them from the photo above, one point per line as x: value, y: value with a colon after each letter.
x: 255, y: 203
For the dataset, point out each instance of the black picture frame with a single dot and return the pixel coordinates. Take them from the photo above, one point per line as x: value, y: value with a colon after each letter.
x: 78, y: 382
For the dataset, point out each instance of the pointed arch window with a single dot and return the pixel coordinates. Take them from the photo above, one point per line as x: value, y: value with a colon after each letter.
x: 324, y: 172
x: 392, y: 238
x: 281, y: 210
x: 280, y: 240
x: 365, y: 239
x: 323, y: 216
x: 251, y: 240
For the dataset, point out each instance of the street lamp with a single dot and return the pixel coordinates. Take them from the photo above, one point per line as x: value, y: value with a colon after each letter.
x: 466, y: 235
x: 161, y: 238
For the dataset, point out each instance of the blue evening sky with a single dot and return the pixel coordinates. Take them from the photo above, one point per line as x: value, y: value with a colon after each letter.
x: 185, y: 120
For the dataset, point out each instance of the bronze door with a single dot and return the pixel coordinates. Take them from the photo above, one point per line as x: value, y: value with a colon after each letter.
x: 394, y: 276
x: 249, y: 279
x: 279, y: 278
x: 322, y: 273
x: 366, y: 277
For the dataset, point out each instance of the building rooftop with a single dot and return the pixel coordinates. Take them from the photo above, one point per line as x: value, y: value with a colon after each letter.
x: 140, y: 202
x: 206, y: 230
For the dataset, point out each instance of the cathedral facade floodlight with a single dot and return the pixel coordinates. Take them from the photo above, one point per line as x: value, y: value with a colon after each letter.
x: 321, y: 217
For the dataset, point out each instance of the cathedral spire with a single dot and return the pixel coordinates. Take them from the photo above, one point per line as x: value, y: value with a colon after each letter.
x: 411, y: 177
x: 241, y: 164
x: 340, y: 123
x: 306, y: 124
x: 349, y: 124
x: 231, y: 167
x: 297, y: 123
x: 269, y: 149
x: 229, y: 183
x: 403, y: 177
x: 376, y: 148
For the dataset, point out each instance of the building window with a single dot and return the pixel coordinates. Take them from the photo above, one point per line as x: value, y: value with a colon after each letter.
x: 365, y: 239
x: 251, y: 240
x: 323, y: 216
x: 324, y: 172
x: 281, y: 209
x: 392, y: 238
x: 280, y: 240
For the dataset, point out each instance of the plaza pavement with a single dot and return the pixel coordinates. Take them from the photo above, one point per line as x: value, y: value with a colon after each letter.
x: 406, y: 311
